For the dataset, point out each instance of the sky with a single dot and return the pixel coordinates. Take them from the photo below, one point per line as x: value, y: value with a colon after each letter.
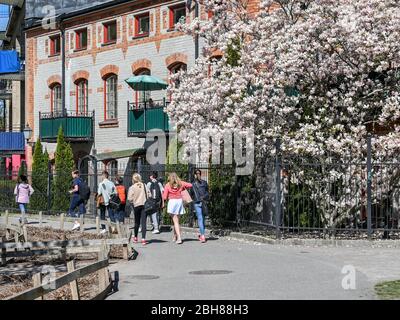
x: 3, y: 17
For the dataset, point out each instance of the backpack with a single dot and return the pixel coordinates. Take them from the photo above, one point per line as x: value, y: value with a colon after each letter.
x: 121, y: 194
x: 115, y: 201
x: 156, y: 191
x: 84, y: 191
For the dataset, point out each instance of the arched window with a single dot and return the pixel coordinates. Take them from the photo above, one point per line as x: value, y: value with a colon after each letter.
x: 175, y: 68
x: 81, y: 97
x: 111, y: 97
x: 141, y: 96
x: 56, y: 98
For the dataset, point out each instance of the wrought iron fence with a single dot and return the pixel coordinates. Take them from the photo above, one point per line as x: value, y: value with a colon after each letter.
x: 286, y: 196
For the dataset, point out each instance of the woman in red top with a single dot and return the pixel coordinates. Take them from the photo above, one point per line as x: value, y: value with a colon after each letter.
x: 173, y: 193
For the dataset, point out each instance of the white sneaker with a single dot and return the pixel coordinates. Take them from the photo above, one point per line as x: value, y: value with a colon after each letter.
x: 140, y: 229
x: 104, y: 231
x: 76, y: 226
x: 156, y: 232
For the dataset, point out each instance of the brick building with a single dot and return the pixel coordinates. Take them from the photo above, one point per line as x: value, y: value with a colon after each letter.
x: 104, y: 45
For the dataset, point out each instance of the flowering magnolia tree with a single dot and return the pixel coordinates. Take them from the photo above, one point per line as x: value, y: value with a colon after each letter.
x: 318, y: 74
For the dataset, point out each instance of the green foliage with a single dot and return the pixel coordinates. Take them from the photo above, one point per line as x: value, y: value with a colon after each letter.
x: 233, y: 52
x: 389, y: 290
x: 7, y: 198
x: 23, y: 169
x: 39, y: 178
x: 223, y: 201
x: 64, y: 164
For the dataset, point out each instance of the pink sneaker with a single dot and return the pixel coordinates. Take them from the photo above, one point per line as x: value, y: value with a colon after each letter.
x: 134, y: 240
x: 144, y: 242
x: 203, y: 239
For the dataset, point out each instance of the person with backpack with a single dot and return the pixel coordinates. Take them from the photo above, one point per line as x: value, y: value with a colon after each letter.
x: 80, y: 194
x: 23, y: 191
x: 106, y: 190
x: 156, y: 190
x: 200, y: 197
x: 137, y: 196
x: 121, y: 191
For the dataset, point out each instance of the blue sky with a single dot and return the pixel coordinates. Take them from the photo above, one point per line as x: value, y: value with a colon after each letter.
x: 3, y: 17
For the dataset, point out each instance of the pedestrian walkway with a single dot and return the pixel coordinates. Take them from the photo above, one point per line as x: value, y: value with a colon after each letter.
x: 232, y: 269
x: 225, y: 268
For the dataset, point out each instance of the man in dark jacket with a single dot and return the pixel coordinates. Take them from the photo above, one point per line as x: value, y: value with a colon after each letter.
x: 200, y: 198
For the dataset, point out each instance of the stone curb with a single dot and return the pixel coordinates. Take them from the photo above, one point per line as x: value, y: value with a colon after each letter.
x: 301, y: 242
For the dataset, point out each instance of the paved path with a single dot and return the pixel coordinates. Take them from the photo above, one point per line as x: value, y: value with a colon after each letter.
x: 258, y: 271
x: 163, y: 269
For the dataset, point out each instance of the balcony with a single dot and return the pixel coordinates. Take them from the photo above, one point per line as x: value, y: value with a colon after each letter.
x: 146, y: 116
x: 77, y: 127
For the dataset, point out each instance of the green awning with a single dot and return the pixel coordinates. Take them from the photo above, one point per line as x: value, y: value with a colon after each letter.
x: 107, y: 156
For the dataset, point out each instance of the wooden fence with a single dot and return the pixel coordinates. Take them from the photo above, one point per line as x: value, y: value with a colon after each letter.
x: 42, y: 288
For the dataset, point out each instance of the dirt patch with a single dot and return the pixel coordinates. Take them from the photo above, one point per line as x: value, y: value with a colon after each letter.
x: 16, y: 276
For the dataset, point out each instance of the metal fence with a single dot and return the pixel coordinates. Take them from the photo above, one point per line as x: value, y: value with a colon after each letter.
x: 286, y: 196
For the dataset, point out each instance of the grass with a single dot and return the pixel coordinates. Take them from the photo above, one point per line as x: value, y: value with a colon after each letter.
x: 389, y: 290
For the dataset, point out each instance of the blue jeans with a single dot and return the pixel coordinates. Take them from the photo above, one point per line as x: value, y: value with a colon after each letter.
x: 22, y: 208
x: 200, y: 217
x: 75, y: 203
x: 111, y: 214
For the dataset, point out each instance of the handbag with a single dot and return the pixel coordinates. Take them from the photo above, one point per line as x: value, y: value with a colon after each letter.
x: 151, y: 205
x: 115, y: 201
x: 187, y: 199
x: 99, y: 201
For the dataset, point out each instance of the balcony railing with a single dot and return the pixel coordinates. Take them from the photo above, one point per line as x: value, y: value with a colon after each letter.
x: 145, y: 116
x: 77, y: 126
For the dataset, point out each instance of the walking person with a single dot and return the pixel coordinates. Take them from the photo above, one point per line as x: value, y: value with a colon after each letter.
x: 105, y: 190
x: 156, y: 189
x: 173, y: 193
x: 137, y: 197
x: 121, y: 191
x: 200, y: 198
x: 23, y: 191
x: 76, y: 200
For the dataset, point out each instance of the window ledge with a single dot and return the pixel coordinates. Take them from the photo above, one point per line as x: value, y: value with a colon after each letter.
x: 139, y: 36
x: 54, y: 55
x: 111, y: 123
x: 171, y: 29
x: 104, y: 44
x: 80, y: 49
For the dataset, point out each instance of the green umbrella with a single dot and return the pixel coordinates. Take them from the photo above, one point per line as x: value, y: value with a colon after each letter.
x: 146, y: 83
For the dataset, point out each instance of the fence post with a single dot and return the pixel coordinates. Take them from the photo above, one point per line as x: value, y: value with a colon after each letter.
x: 49, y: 178
x: 74, y: 284
x: 40, y: 218
x: 6, y: 217
x: 369, y: 186
x: 190, y: 178
x: 62, y: 221
x: 278, y: 195
x: 37, y: 282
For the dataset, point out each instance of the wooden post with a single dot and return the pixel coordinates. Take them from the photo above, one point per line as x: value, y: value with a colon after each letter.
x: 40, y: 218
x: 82, y: 223
x: 98, y: 224
x: 6, y: 217
x: 3, y: 252
x: 125, y: 252
x: 101, y: 273
x: 73, y: 284
x: 110, y: 228
x: 37, y: 282
x: 119, y: 230
x: 16, y: 236
x: 62, y: 221
x: 25, y: 233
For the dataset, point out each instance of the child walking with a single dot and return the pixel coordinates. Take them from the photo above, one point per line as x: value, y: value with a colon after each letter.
x: 23, y: 191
